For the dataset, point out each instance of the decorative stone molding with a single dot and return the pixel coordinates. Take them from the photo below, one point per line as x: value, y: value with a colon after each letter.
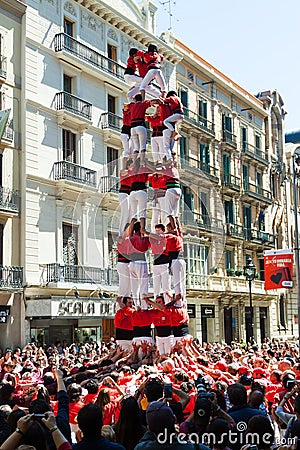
x: 112, y: 34
x: 70, y: 9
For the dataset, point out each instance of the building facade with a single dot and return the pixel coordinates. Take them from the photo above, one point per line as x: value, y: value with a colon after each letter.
x: 67, y: 162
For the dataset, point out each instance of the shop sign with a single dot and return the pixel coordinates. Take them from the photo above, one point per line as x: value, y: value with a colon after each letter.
x: 191, y: 309
x: 278, y: 269
x: 70, y: 308
x: 208, y: 311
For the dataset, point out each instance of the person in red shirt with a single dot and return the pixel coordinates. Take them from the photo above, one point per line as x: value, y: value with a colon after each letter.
x: 162, y: 323
x: 173, y: 194
x: 177, y: 113
x: 125, y: 135
x: 138, y: 193
x: 123, y: 324
x: 138, y: 267
x: 157, y: 140
x: 161, y: 276
x: 141, y: 321
x: 123, y: 195
x: 123, y: 247
x: 138, y: 127
x: 180, y: 323
x: 134, y: 79
x: 153, y: 60
x: 174, y: 249
x: 157, y: 181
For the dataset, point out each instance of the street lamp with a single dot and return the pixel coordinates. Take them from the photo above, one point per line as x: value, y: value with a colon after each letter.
x: 296, y: 175
x: 249, y: 273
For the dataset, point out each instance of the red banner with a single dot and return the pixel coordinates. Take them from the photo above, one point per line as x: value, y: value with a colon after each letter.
x: 278, y: 269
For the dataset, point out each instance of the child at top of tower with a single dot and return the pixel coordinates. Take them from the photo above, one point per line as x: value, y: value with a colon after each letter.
x: 153, y: 60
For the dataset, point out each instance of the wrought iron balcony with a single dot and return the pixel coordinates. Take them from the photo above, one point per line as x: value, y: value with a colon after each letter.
x: 256, y: 191
x: 81, y: 274
x: 109, y: 184
x: 64, y: 42
x: 111, y: 120
x: 64, y: 100
x: 234, y: 230
x: 65, y: 170
x: 231, y: 181
x: 197, y: 167
x: 229, y: 138
x: 3, y: 67
x: 11, y: 277
x: 9, y: 200
x: 8, y: 134
x: 202, y: 221
x: 261, y: 237
x: 199, y: 121
x: 254, y: 153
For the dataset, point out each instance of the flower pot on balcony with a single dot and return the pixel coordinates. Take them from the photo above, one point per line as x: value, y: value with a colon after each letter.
x: 238, y: 272
x: 230, y: 272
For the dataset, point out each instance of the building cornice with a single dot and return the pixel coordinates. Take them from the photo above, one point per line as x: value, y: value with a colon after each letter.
x: 15, y: 7
x: 134, y: 30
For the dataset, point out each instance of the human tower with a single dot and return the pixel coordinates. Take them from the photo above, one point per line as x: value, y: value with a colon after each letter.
x: 138, y: 313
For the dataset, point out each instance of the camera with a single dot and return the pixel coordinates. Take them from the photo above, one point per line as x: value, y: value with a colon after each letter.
x: 202, y: 389
x: 253, y: 447
x: 38, y: 416
x: 168, y: 390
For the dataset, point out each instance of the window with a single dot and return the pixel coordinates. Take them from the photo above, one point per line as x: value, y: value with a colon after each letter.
x: 202, y: 111
x: 182, y: 148
x: 229, y: 211
x: 69, y: 146
x: 247, y: 217
x: 68, y: 27
x: 183, y: 95
x: 226, y: 168
x: 204, y: 157
x: 197, y: 262
x: 190, y: 76
x: 1, y: 243
x: 261, y: 269
x: 204, y: 208
x: 112, y: 157
x: 188, y: 198
x: 70, y: 244
x: 111, y: 104
x: 258, y: 141
x: 228, y: 259
x: 112, y: 55
x: 245, y: 177
x: 67, y: 84
x: 244, y: 137
x: 226, y: 123
x: 112, y: 250
x: 258, y: 182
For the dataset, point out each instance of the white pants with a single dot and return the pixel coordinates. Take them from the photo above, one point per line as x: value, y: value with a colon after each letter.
x: 168, y: 143
x: 124, y: 279
x: 140, y: 340
x: 161, y: 280
x: 151, y: 75
x: 127, y: 145
x: 124, y: 211
x: 158, y: 213
x: 139, y: 282
x: 178, y: 268
x: 139, y: 138
x: 125, y: 345
x: 172, y: 200
x: 171, y: 121
x: 135, y: 81
x: 158, y: 149
x: 164, y: 344
x: 138, y: 204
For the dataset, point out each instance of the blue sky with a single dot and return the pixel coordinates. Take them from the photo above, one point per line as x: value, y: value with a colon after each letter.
x: 256, y: 43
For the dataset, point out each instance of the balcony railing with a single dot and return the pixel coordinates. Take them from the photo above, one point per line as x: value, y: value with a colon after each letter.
x: 109, y: 184
x: 65, y: 170
x: 81, y: 274
x: 234, y: 230
x: 11, y: 277
x: 3, y: 67
x: 262, y: 237
x: 231, y: 181
x: 257, y: 191
x: 110, y: 120
x: 69, y: 44
x: 202, y: 221
x: 199, y: 121
x: 64, y: 100
x: 9, y: 200
x: 197, y: 166
x: 229, y: 138
x: 254, y: 152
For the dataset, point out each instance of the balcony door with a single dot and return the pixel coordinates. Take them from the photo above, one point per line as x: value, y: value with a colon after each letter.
x: 112, y: 158
x: 69, y: 146
x: 247, y: 215
x: 70, y: 244
x: 68, y: 27
x: 1, y: 243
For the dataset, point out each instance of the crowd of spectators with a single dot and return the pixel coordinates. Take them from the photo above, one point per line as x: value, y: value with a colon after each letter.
x: 202, y: 396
